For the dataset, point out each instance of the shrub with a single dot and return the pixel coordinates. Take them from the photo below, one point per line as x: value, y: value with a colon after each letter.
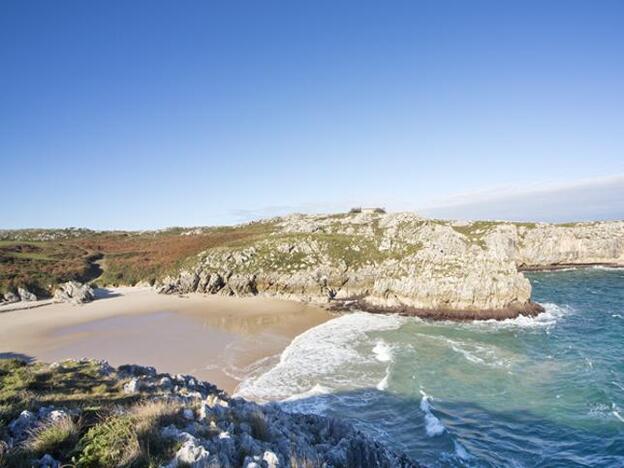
x: 111, y: 443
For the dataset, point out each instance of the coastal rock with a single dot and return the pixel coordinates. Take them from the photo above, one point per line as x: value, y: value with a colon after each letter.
x: 10, y: 298
x: 400, y: 262
x: 25, y: 295
x: 191, y: 454
x: 74, y: 292
x: 133, y: 386
x: 230, y: 431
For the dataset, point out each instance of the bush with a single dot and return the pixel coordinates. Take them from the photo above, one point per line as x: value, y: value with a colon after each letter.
x: 111, y: 443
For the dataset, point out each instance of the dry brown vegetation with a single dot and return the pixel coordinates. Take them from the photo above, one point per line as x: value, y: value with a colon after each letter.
x: 125, y: 257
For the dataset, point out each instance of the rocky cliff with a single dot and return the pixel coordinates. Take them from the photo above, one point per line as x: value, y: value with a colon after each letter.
x: 399, y: 262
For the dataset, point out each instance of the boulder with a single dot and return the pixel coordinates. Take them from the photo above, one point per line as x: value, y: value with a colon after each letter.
x: 10, y: 298
x: 133, y: 386
x: 22, y: 424
x: 25, y: 295
x: 74, y: 292
x: 191, y: 454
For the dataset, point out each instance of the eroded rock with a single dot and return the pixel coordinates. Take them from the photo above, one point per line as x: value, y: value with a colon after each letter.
x: 74, y: 292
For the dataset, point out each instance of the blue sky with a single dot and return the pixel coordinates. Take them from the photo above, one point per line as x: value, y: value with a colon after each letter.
x: 151, y: 114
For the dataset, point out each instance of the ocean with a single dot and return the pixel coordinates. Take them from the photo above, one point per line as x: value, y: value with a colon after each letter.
x: 541, y: 391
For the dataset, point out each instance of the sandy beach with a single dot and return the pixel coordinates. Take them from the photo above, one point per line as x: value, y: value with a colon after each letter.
x: 219, y: 339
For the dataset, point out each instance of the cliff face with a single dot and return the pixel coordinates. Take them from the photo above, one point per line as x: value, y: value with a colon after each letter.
x: 583, y: 243
x: 400, y: 261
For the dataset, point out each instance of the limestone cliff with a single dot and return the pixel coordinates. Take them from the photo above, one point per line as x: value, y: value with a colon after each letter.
x: 400, y: 262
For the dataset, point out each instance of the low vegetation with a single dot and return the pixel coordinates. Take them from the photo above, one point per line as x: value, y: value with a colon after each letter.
x: 41, y: 259
x: 101, y: 425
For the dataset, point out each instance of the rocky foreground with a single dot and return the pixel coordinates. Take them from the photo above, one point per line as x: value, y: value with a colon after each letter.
x: 399, y: 262
x: 88, y: 414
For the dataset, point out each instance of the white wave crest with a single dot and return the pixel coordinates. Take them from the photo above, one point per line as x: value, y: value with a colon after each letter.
x: 315, y: 356
x: 433, y: 426
x: 552, y: 313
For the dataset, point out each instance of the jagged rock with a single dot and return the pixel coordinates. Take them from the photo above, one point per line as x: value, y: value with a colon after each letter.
x: 232, y: 431
x: 47, y: 461
x: 215, y: 283
x: 10, y: 297
x: 25, y: 295
x: 191, y: 454
x: 271, y: 459
x: 105, y: 368
x: 133, y: 386
x: 74, y: 292
x: 135, y: 370
x: 401, y: 262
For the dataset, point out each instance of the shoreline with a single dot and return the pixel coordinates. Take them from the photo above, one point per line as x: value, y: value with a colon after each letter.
x: 219, y: 339
x: 569, y: 266
x: 531, y: 309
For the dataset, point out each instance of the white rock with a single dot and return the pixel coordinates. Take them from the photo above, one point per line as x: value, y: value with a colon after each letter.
x: 25, y: 295
x: 133, y: 386
x: 192, y: 454
x: 74, y: 292
x: 271, y: 459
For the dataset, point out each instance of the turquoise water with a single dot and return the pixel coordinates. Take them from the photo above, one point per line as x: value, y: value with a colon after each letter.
x: 544, y: 391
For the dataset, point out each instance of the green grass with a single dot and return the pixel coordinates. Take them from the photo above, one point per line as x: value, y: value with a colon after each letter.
x: 101, y: 436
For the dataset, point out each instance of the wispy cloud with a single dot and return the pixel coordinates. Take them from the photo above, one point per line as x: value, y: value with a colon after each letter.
x: 244, y: 215
x: 588, y: 199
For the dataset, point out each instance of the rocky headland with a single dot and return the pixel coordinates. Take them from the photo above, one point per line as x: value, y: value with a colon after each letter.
x: 364, y: 259
x: 399, y: 262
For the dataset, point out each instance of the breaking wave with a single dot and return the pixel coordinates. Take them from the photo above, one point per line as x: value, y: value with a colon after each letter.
x: 433, y: 426
x: 315, y: 355
x: 552, y: 313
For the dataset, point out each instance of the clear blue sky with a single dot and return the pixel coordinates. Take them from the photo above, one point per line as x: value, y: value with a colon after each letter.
x: 132, y: 114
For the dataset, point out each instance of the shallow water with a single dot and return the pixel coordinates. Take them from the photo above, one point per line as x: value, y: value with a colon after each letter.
x: 543, y: 391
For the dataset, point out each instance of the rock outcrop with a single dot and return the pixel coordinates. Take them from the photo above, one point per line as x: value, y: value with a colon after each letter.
x: 25, y: 295
x: 10, y: 298
x: 400, y: 262
x: 193, y: 423
x: 74, y: 292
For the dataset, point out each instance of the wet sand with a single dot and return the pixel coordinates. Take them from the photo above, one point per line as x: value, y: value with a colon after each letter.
x: 219, y: 339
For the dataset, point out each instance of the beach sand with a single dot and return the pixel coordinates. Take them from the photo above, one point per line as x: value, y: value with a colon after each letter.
x: 218, y: 339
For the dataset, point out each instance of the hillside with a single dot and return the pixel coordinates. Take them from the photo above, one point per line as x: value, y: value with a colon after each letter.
x: 376, y: 261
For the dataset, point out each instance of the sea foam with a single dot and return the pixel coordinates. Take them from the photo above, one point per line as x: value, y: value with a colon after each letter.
x: 382, y: 351
x: 314, y: 357
x: 551, y: 315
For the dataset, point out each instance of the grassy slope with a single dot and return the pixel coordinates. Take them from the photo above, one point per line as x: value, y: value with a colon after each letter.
x: 100, y: 434
x: 127, y: 257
